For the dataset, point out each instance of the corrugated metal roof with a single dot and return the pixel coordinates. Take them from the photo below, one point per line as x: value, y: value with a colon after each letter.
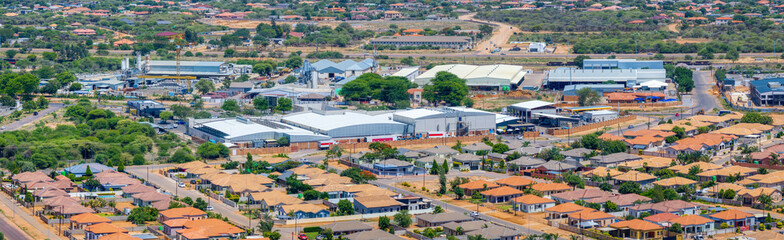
x: 418, y: 113
x: 532, y: 104
x: 186, y: 63
x: 327, y: 122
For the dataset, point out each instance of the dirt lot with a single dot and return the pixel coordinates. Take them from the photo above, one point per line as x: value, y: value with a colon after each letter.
x: 501, y: 100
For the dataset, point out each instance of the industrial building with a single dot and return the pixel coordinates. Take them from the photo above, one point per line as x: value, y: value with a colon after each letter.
x: 145, y: 108
x: 410, y: 73
x: 194, y: 68
x: 767, y: 92
x: 571, y: 90
x: 529, y: 111
x: 599, y: 115
x: 622, y: 64
x: 537, y: 47
x: 454, y: 42
x: 346, y: 124
x: 557, y: 79
x: 447, y: 121
x: 327, y: 69
x: 249, y: 132
x: 486, y: 77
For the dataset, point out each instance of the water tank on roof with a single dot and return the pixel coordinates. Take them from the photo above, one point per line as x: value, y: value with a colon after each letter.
x: 774, y: 84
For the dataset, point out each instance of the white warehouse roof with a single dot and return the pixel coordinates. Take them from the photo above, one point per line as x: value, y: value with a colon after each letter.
x: 532, y: 104
x: 486, y: 75
x: 233, y: 129
x: 346, y: 124
x: 418, y: 113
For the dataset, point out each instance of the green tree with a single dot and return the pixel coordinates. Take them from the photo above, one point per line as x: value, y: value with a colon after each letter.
x: 75, y: 87
x: 732, y: 54
x: 180, y: 111
x: 200, y: 204
x: 442, y: 182
x: 610, y: 206
x: 272, y: 235
x: 459, y: 192
x: 446, y: 87
x: 205, y: 86
x: 383, y: 222
x: 11, y: 53
x: 345, y: 207
x: 284, y: 105
x: 121, y: 166
x: 579, y: 60
x: 402, y: 219
x: 166, y: 115
x: 676, y: 228
x: 438, y: 209
x: 260, y: 103
x: 141, y: 215
x: 705, y: 53
x: 587, y: 97
x: 755, y: 117
x: 264, y: 69
x: 630, y: 187
x: 485, y: 29
x: 230, y: 105
x: 212, y: 150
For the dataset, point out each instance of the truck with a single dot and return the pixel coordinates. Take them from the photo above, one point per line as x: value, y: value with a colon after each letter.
x: 326, y: 144
x: 380, y: 139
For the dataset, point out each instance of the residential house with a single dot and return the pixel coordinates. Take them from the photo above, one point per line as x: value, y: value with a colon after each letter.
x: 501, y: 194
x: 134, y: 189
x: 347, y: 227
x: 468, y: 161
x: 580, y: 194
x: 644, y: 179
x: 661, y: 218
x: 84, y: 220
x: 548, y: 189
x: 524, y: 163
x: 496, y: 233
x: 637, y: 229
x: 302, y: 211
x: 272, y: 200
x: 734, y: 218
x: 699, y: 165
x: 376, y: 234
x: 694, y: 223
x: 376, y: 204
x: 478, y: 185
x: 590, y: 218
x: 99, y: 230
x: 149, y: 198
x: 391, y: 14
x: 209, y: 228
x: 477, y: 147
x: 649, y: 164
x: 677, y: 207
x: 751, y: 196
x: 411, y: 202
x: 706, y: 143
x: 675, y: 182
x: 721, y: 175
x: 469, y: 226
x: 189, y: 213
x: 441, y: 151
x: 531, y: 203
x: 28, y: 178
x: 577, y: 153
x: 562, y: 210
x: 438, y: 219
x: 614, y: 159
x: 81, y: 169
x: 119, y: 236
x: 601, y: 172
x: 516, y: 182
x: 622, y: 201
x: 557, y: 167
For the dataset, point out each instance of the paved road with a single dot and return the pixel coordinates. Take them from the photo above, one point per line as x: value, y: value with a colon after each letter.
x: 21, y: 122
x: 703, y: 84
x: 27, y: 217
x: 170, y: 186
x: 10, y: 230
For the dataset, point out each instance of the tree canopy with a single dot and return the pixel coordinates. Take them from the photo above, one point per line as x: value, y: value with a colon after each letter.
x: 446, y: 87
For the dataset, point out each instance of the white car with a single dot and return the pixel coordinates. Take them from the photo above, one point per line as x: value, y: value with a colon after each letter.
x: 474, y: 214
x: 182, y: 185
x: 209, y: 208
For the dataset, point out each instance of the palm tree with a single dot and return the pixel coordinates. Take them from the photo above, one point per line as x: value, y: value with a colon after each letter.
x: 574, y: 237
x: 774, y: 159
x: 459, y: 230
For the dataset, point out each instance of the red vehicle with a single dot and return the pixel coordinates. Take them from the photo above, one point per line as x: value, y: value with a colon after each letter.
x: 302, y: 236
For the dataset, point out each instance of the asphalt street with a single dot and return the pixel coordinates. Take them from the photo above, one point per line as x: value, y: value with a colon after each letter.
x: 27, y: 217
x: 10, y: 230
x: 21, y: 122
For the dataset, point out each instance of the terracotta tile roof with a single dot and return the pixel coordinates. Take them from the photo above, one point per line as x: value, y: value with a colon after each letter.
x: 377, y: 201
x: 477, y: 185
x: 118, y: 236
x: 644, y: 140
x: 666, y: 206
x: 602, y: 172
x: 104, y: 228
x: 689, y: 220
x: 654, y: 162
x: 151, y: 196
x: 692, y: 123
x: 724, y: 186
x: 208, y: 228
x: 182, y: 212
x: 668, y: 127
x: 661, y: 217
x: 501, y: 191
x: 755, y: 193
x: 704, y: 166
x: 743, y: 129
x: 648, y: 132
x: 565, y: 208
x: 137, y: 188
x: 637, y: 224
x: 180, y: 222
x: 582, y: 194
x: 89, y: 218
x: 191, y: 165
x: 766, y: 153
x: 728, y: 171
x: 732, y: 214
x: 674, y: 181
x: 546, y: 187
x: 515, y: 181
x: 274, y: 198
x: 621, y: 200
x: 532, y: 199
x: 634, y: 176
x: 27, y: 177
x: 590, y: 214
x: 706, y: 139
x: 305, y: 207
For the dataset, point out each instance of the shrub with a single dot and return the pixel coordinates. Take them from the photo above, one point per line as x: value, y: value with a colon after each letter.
x: 724, y: 226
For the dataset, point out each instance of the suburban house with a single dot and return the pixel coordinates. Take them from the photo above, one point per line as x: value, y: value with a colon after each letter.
x: 452, y: 227
x: 694, y: 223
x: 548, y: 189
x: 189, y: 213
x: 623, y: 201
x: 496, y: 233
x: 501, y: 194
x: 675, y: 182
x: 83, y: 220
x: 438, y: 219
x: 677, y: 207
x: 347, y: 227
x: 590, y: 218
x: 704, y: 143
x: 562, y: 210
x: 734, y: 218
x: 721, y: 175
x: 580, y: 194
x: 531, y: 203
x: 302, y: 211
x: 376, y: 234
x: 478, y: 185
x: 524, y: 163
x: 637, y: 229
x: 751, y: 196
x: 614, y: 159
x: 516, y: 182
x: 209, y: 228
x: 376, y: 204
x: 468, y: 161
x: 81, y: 169
x: 99, y: 230
x: 643, y: 179
x: 272, y: 200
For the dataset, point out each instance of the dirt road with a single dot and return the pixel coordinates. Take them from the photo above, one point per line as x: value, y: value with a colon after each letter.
x: 500, y: 37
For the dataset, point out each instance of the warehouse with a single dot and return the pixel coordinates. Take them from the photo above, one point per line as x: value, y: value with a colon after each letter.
x: 327, y: 69
x: 622, y: 64
x: 454, y: 42
x: 249, y: 132
x: 557, y: 79
x: 528, y: 111
x: 145, y: 108
x: 451, y: 121
x: 188, y: 68
x: 487, y: 77
x: 767, y: 92
x: 599, y: 115
x: 410, y: 73
x: 345, y: 124
x: 571, y: 90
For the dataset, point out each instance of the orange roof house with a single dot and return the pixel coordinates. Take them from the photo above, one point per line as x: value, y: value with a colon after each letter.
x: 102, y: 229
x: 189, y: 213
x: 701, y: 143
x: 561, y: 210
x: 477, y: 185
x: 731, y: 216
x: 691, y: 221
x: 590, y: 214
x: 516, y: 182
x: 86, y: 219
x: 532, y: 203
x: 209, y: 229
x: 548, y: 189
x: 123, y: 41
x: 640, y: 229
x: 501, y: 194
x: 118, y: 236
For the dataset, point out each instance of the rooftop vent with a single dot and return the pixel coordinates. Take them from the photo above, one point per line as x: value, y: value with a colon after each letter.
x: 774, y: 84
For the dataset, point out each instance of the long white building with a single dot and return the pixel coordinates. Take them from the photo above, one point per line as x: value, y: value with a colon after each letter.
x: 486, y: 77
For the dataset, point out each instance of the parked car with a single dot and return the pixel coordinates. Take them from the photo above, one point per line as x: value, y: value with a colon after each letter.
x: 474, y: 214
x: 182, y: 185
x: 302, y: 236
x: 209, y: 208
x: 631, y: 126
